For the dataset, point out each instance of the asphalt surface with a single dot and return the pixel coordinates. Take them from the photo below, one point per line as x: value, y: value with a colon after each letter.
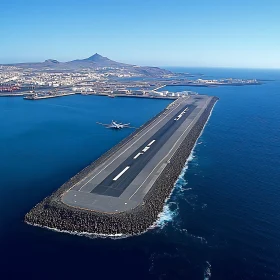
x: 122, y: 181
x: 115, y: 188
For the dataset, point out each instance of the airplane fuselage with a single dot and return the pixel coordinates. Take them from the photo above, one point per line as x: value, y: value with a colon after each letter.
x: 116, y: 125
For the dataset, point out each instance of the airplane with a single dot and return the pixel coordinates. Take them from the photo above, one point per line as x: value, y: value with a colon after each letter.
x: 116, y: 125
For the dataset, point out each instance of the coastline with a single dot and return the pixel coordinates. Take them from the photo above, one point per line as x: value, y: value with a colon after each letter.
x: 47, y: 96
x: 183, y: 171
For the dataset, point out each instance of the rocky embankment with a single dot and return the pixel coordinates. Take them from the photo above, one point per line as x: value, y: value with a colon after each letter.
x: 52, y: 213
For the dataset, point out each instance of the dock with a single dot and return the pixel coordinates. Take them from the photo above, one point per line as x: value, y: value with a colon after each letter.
x: 38, y: 97
x: 124, y: 191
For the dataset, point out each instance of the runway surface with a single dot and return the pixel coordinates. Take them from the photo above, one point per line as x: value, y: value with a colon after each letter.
x: 121, y: 182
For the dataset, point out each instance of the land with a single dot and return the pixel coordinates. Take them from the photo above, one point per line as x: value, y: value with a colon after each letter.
x: 124, y: 191
x: 44, y: 96
x: 98, y: 75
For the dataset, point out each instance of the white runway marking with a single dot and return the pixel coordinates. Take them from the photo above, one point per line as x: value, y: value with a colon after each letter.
x: 139, y: 154
x: 179, y: 116
x: 151, y: 142
x: 118, y: 176
x: 145, y: 149
x: 157, y: 122
x: 182, y: 135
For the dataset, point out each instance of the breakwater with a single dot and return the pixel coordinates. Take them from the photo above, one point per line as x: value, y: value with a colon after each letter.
x: 52, y: 213
x: 38, y: 97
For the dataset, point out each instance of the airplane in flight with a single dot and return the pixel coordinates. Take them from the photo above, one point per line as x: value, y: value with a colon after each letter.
x: 116, y: 125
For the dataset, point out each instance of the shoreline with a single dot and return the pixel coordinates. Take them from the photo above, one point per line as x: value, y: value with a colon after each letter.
x: 184, y: 169
x: 131, y: 96
x: 155, y: 225
x: 214, y: 84
x: 47, y: 96
x: 52, y: 213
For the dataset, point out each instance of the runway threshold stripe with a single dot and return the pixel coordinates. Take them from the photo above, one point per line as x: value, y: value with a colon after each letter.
x: 139, y: 154
x: 151, y: 142
x: 120, y: 174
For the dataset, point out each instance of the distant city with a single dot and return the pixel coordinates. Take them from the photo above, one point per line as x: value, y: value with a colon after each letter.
x: 98, y: 75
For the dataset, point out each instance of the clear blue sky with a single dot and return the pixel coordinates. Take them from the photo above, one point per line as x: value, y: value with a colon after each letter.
x: 223, y: 33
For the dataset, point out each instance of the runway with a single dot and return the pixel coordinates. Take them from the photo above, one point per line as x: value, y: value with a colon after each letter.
x: 144, y: 154
x: 121, y: 182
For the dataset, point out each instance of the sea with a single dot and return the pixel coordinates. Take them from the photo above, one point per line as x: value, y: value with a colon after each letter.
x: 221, y: 222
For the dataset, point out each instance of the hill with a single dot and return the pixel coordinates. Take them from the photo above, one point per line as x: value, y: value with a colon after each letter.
x: 95, y: 61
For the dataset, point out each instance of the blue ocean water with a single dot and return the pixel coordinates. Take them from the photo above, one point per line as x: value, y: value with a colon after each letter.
x: 221, y: 222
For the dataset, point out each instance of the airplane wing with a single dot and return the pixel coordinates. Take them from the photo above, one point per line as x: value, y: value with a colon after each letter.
x: 104, y: 124
x: 118, y: 126
x: 131, y: 127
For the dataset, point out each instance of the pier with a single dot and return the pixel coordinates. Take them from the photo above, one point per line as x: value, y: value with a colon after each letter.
x: 124, y: 191
x: 46, y: 96
x: 162, y: 86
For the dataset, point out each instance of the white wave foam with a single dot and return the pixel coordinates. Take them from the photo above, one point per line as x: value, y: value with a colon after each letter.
x: 190, y: 158
x: 200, y: 238
x: 181, y: 181
x: 85, y: 234
x: 207, y: 271
x: 168, y: 214
x: 204, y: 205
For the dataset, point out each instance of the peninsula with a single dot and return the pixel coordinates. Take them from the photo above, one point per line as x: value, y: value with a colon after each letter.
x: 124, y: 191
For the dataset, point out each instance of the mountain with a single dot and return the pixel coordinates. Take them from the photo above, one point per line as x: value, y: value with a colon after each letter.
x: 98, y: 58
x: 52, y: 61
x: 93, y: 62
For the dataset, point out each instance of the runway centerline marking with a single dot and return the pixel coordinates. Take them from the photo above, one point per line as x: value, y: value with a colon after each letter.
x: 120, y: 174
x: 170, y: 111
x: 145, y: 149
x: 151, y: 142
x: 169, y: 151
x: 139, y: 154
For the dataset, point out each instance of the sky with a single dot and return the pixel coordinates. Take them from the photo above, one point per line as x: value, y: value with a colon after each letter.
x: 205, y: 33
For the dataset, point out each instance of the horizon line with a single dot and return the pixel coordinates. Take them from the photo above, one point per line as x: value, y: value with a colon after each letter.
x: 153, y: 65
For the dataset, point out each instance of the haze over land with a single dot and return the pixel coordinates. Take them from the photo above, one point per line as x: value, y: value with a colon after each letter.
x: 181, y: 32
x: 95, y: 61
